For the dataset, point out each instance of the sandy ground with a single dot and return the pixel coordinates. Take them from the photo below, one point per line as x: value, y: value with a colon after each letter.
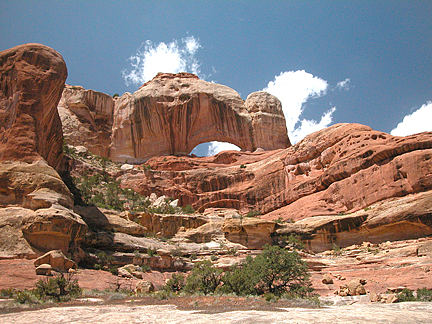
x: 356, y: 313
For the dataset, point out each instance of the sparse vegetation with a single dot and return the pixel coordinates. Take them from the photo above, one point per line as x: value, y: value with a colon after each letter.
x: 422, y: 294
x: 242, y: 166
x: 275, y: 272
x: 58, y: 288
x: 253, y: 213
x: 188, y: 209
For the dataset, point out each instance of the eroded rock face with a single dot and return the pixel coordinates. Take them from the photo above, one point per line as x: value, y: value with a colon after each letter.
x: 170, y: 115
x: 342, y: 168
x: 34, y: 201
x: 87, y: 118
x: 31, y: 84
x: 268, y: 121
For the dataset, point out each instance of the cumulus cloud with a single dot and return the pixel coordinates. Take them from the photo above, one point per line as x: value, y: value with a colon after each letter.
x: 344, y: 85
x: 294, y: 88
x: 174, y: 57
x: 417, y: 122
x: 216, y: 147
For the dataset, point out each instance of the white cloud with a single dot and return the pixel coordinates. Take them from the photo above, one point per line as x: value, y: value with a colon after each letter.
x: 293, y: 89
x: 174, y: 57
x: 344, y: 85
x: 309, y: 126
x: 216, y: 147
x: 417, y: 122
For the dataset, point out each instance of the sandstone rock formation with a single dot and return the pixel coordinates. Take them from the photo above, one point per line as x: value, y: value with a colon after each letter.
x: 170, y: 114
x: 57, y: 260
x: 32, y: 80
x: 87, y: 118
x: 327, y: 184
x: 34, y: 202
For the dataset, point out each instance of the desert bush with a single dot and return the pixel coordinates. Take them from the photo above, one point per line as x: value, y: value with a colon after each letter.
x: 176, y: 283
x: 204, y: 278
x: 275, y: 271
x: 8, y: 292
x: 59, y: 288
x: 424, y: 294
x: 406, y: 295
x: 188, y: 209
x: 151, y: 251
x: 26, y: 297
x: 253, y: 213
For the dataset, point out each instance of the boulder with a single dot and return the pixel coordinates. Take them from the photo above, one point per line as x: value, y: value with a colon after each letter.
x: 32, y: 81
x: 327, y: 280
x: 44, y: 270
x: 253, y: 233
x: 144, y: 287
x: 57, y: 260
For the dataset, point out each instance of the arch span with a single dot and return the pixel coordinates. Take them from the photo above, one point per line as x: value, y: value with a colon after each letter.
x: 173, y: 113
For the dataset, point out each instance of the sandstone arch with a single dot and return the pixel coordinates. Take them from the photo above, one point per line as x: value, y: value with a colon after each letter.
x: 171, y: 115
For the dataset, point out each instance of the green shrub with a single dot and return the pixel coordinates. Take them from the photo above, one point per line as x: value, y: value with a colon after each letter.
x: 188, y: 209
x: 204, y: 278
x: 294, y: 242
x: 275, y: 271
x: 213, y: 258
x: 176, y: 283
x: 242, y: 166
x: 424, y: 294
x: 26, y: 297
x: 406, y: 295
x: 151, y: 251
x: 60, y: 288
x: 9, y: 292
x: 253, y: 213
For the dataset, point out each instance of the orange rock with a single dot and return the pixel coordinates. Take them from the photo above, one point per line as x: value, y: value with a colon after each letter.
x: 32, y: 80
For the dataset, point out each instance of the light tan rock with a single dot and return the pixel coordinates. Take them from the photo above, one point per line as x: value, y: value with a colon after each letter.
x: 87, y: 118
x: 355, y: 287
x: 327, y: 280
x: 57, y: 260
x: 268, y: 121
x: 44, y: 270
x: 144, y: 287
x: 253, y: 233
x: 32, y: 185
x: 55, y: 228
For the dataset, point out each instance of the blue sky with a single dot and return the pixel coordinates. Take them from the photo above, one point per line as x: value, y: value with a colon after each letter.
x: 368, y: 62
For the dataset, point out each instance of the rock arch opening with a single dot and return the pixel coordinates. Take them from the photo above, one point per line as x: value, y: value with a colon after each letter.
x: 213, y: 148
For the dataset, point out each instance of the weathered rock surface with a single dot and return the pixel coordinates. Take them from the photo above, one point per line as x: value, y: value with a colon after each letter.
x: 393, y: 219
x: 268, y: 121
x: 57, y: 260
x: 87, y: 118
x: 32, y: 185
x: 253, y: 233
x: 170, y: 114
x: 32, y: 80
x: 343, y: 168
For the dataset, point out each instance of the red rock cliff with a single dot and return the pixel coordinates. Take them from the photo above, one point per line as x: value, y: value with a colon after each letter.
x: 31, y: 84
